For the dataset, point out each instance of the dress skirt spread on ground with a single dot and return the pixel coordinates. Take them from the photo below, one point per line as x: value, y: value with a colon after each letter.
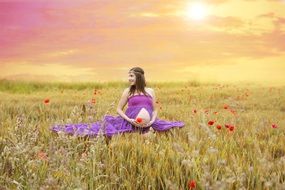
x: 112, y: 125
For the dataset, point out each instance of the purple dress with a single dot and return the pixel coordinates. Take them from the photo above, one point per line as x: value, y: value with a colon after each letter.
x: 112, y: 125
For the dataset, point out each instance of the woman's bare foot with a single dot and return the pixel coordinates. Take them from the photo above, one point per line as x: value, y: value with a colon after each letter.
x: 148, y: 134
x: 151, y: 130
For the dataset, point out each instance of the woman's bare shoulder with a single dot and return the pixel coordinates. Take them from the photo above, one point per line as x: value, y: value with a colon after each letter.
x: 126, y: 91
x: 150, y: 91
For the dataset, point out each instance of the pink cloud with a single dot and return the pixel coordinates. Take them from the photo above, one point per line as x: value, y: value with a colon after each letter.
x: 103, y: 32
x: 226, y: 22
x: 278, y: 21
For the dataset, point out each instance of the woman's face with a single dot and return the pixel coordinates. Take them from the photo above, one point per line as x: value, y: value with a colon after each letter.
x: 132, y: 78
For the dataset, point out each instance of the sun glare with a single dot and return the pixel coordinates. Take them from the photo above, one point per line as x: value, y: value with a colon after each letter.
x: 197, y: 11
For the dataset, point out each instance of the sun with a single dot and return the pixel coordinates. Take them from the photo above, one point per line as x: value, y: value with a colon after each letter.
x: 197, y: 11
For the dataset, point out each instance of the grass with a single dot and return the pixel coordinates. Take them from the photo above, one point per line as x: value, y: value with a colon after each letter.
x: 252, y: 156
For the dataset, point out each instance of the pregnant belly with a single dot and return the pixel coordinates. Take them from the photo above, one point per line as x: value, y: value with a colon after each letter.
x: 143, y: 113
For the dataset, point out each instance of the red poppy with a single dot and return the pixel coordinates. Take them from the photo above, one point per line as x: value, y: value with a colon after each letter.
x: 46, y: 101
x: 231, y: 128
x: 191, y: 184
x: 84, y: 155
x: 139, y: 120
x: 219, y: 127
x: 93, y: 100
x: 216, y: 113
x: 233, y: 111
x: 211, y: 122
x: 42, y: 155
x: 274, y: 126
x: 227, y: 125
x: 226, y: 106
x: 194, y: 111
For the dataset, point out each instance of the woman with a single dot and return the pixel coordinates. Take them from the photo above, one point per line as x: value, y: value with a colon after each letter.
x: 140, y: 115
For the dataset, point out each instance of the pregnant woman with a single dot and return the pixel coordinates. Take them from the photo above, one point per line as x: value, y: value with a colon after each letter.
x: 140, y: 116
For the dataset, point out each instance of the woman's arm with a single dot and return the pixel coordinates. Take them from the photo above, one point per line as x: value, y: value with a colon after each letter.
x: 123, y: 101
x: 154, y: 113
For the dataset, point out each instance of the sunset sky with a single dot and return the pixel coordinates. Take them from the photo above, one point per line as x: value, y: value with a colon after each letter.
x: 100, y: 40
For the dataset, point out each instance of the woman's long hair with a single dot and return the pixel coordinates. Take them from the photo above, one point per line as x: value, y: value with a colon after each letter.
x: 140, y: 81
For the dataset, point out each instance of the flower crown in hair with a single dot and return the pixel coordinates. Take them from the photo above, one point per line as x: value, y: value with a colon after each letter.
x: 138, y: 72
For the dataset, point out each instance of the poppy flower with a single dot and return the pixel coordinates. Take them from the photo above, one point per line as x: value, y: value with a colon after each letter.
x: 226, y: 106
x: 191, y: 184
x: 216, y: 113
x: 227, y: 125
x: 42, y: 155
x: 274, y: 126
x: 46, y: 101
x: 233, y: 111
x: 219, y: 127
x: 139, y: 120
x: 211, y: 122
x: 194, y: 111
x: 93, y: 100
x: 231, y: 128
x: 84, y: 155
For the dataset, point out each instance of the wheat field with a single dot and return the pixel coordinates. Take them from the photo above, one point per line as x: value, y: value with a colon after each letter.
x: 233, y: 138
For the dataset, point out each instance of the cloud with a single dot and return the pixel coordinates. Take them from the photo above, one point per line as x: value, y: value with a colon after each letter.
x: 99, y: 35
x: 49, y: 78
x: 228, y: 22
x: 216, y: 1
x: 267, y: 15
x: 278, y: 21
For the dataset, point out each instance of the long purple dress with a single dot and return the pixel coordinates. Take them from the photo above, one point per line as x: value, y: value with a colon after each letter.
x: 112, y: 125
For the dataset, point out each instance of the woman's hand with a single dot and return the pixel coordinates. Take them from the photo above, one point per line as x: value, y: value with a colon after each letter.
x: 137, y: 124
x: 148, y: 124
x: 134, y: 122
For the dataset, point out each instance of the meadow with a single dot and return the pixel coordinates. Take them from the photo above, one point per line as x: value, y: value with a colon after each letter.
x: 233, y: 138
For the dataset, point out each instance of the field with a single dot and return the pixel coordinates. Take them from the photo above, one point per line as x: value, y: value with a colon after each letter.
x: 234, y: 138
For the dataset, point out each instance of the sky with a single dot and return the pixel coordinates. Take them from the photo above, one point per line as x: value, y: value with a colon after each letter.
x: 173, y: 40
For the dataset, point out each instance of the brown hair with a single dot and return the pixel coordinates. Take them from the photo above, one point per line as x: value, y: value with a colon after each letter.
x: 140, y: 81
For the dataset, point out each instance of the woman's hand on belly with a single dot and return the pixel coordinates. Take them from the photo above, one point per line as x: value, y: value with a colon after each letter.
x: 135, y: 123
x: 143, y: 118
